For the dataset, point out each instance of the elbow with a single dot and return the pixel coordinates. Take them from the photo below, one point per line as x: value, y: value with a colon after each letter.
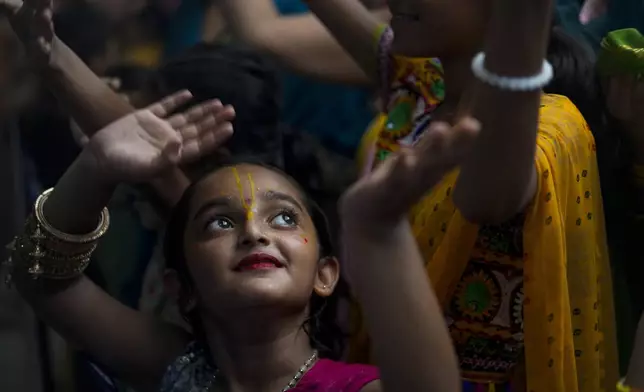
x: 487, y: 216
x: 495, y: 204
x: 489, y: 211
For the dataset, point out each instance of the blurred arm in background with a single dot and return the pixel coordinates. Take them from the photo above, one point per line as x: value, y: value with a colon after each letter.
x: 87, y: 99
x: 344, y: 53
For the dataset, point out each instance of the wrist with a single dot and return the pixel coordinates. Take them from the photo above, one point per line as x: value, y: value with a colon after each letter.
x: 170, y: 186
x: 88, y: 164
x: 382, y: 231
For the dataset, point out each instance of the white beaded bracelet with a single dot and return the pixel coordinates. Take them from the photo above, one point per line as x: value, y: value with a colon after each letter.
x: 527, y: 83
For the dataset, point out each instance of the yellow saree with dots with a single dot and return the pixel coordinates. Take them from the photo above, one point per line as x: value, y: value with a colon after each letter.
x: 529, y: 303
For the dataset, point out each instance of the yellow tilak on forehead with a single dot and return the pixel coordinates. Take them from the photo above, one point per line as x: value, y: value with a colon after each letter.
x: 248, y: 206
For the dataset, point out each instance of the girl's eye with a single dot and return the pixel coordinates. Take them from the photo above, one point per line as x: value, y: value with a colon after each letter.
x: 220, y: 223
x: 284, y: 219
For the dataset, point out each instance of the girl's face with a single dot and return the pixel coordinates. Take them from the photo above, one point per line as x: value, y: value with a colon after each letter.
x: 438, y: 28
x: 250, y: 243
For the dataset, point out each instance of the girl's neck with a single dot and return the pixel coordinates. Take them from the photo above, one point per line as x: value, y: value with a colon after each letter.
x: 258, y: 354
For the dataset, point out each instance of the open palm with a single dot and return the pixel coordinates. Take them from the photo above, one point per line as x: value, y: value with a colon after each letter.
x: 145, y: 143
x: 384, y: 195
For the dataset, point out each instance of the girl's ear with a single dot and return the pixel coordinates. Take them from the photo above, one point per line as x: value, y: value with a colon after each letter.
x: 327, y: 276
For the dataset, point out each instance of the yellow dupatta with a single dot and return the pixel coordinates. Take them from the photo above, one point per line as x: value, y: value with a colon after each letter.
x: 568, y: 311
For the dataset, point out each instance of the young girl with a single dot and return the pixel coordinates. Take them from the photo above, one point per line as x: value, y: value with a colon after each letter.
x: 517, y: 216
x: 251, y: 266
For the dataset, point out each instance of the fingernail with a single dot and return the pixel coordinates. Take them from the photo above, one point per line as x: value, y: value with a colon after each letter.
x: 470, y: 122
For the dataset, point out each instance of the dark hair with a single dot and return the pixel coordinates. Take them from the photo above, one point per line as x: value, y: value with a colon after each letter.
x: 237, y: 76
x: 574, y: 65
x: 321, y: 326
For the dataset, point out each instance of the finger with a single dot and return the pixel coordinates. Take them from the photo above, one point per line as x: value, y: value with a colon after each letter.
x: 167, y: 141
x: 462, y: 137
x: 113, y: 83
x: 447, y: 147
x: 206, y: 124
x: 45, y: 27
x: 433, y: 139
x: 591, y: 10
x: 195, y: 113
x: 170, y: 103
x: 170, y: 155
x: 197, y: 148
x: 194, y: 130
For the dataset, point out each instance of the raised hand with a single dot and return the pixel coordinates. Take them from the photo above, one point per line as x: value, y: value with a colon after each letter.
x: 32, y: 22
x: 384, y: 196
x: 144, y: 144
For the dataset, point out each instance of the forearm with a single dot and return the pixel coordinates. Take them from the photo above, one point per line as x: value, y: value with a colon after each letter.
x: 500, y: 170
x: 94, y: 105
x: 410, y: 340
x: 300, y: 42
x: 354, y: 27
x: 78, y: 198
x: 87, y: 99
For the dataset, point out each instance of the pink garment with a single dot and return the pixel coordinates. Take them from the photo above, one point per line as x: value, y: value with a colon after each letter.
x: 331, y: 376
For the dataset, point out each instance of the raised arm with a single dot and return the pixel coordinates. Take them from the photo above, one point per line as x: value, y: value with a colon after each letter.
x: 410, y: 340
x: 135, y: 346
x: 86, y: 98
x: 499, y: 179
x: 309, y: 45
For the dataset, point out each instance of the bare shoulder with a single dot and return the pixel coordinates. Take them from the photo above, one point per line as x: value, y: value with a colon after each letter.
x: 374, y: 386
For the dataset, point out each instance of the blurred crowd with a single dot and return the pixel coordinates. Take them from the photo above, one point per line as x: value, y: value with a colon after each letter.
x: 146, y: 49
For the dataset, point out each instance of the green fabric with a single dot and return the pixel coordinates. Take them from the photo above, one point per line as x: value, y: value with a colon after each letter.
x: 622, y: 52
x: 620, y: 14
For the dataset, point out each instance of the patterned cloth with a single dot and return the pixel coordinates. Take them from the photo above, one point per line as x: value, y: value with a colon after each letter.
x: 412, y: 89
x: 192, y: 373
x: 533, y: 294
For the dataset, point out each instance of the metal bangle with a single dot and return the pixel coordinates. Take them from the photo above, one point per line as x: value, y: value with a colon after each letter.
x: 99, y: 232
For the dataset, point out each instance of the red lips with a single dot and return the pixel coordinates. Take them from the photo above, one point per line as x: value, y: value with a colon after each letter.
x: 257, y: 261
